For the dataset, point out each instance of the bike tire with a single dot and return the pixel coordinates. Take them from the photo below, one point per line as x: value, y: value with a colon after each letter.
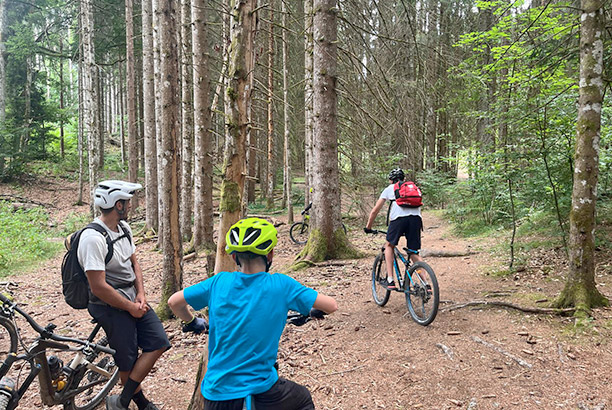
x: 379, y: 276
x: 8, y: 339
x: 89, y: 399
x: 422, y: 294
x: 299, y: 233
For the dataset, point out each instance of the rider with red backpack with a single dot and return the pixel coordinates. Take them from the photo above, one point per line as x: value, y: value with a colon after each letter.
x: 404, y: 216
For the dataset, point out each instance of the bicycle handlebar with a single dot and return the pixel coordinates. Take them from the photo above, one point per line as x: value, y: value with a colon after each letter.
x: 374, y: 231
x: 47, y: 333
x: 297, y: 319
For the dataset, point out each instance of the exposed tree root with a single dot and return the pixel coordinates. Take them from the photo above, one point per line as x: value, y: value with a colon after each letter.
x: 500, y: 303
x: 502, y: 351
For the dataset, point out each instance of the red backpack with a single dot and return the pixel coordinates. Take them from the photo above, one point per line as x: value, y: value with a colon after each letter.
x: 408, y: 194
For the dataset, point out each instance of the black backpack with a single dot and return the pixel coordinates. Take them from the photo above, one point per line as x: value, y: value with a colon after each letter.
x: 74, y: 281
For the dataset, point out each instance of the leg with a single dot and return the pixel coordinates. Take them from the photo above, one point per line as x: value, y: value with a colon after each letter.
x: 285, y: 395
x: 389, y: 257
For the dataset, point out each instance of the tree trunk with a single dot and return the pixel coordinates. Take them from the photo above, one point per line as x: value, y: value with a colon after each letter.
x: 131, y: 96
x: 308, y: 97
x: 61, y: 93
x: 271, y: 168
x: 327, y: 238
x: 203, y: 208
x: 580, y: 290
x: 287, y: 200
x: 81, y: 125
x: 187, y: 123
x: 238, y: 95
x: 150, y: 135
x: 122, y: 114
x: 90, y: 97
x: 197, y: 399
x: 172, y: 247
x: 158, y: 108
x: 3, y: 16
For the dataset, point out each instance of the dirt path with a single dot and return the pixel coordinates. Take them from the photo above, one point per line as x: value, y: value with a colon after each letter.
x: 367, y: 357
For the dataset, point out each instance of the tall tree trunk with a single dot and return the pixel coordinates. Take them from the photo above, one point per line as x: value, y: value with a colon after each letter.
x: 27, y: 108
x: 580, y: 290
x: 287, y: 200
x: 239, y: 97
x: 187, y: 123
x: 308, y: 97
x: 150, y: 135
x: 172, y: 247
x: 158, y: 108
x: 98, y: 113
x: 81, y: 125
x: 271, y: 168
x: 203, y: 207
x: 131, y: 96
x: 122, y: 114
x: 90, y: 96
x: 61, y: 92
x: 327, y: 238
x: 3, y: 16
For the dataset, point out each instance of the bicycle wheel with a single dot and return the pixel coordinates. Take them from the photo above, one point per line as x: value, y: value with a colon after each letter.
x: 422, y: 294
x: 92, y: 384
x: 8, y: 339
x: 299, y: 233
x: 379, y: 278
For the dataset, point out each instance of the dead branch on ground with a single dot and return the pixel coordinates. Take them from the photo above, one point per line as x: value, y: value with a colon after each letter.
x: 502, y: 351
x: 501, y: 303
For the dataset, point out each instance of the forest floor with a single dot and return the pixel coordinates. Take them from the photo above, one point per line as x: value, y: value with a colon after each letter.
x: 368, y: 357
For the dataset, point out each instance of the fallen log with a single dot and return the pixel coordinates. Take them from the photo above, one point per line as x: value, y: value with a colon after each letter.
x: 501, y: 303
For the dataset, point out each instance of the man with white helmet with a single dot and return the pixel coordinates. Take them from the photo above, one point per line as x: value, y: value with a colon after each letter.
x: 117, y: 299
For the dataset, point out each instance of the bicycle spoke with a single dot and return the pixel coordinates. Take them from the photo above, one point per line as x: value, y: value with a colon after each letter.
x: 422, y: 296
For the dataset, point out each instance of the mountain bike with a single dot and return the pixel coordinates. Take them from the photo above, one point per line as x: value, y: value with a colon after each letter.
x: 300, y: 231
x: 88, y: 376
x: 418, y: 284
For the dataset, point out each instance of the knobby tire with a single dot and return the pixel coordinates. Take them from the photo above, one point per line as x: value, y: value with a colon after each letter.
x: 423, y: 297
x: 379, y: 274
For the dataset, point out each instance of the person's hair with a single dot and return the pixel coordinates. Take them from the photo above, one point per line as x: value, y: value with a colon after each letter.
x: 248, y: 257
x: 109, y: 210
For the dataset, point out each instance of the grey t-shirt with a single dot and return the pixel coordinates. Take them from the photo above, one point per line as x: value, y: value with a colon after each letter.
x: 119, y: 270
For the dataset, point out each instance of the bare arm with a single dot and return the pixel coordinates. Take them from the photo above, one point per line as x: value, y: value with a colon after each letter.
x: 325, y: 303
x: 139, y: 284
x: 106, y: 293
x: 374, y: 212
x: 178, y: 305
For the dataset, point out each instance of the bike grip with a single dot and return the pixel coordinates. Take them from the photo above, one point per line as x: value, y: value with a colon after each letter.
x: 368, y: 230
x: 106, y: 349
x: 5, y: 299
x: 316, y: 313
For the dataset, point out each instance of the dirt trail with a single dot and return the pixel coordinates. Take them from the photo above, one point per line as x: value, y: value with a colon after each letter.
x: 368, y: 357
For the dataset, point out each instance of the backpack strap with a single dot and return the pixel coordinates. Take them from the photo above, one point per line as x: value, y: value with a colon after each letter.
x: 110, y: 242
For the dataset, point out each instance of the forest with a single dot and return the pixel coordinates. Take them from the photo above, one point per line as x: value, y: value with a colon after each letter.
x: 499, y: 110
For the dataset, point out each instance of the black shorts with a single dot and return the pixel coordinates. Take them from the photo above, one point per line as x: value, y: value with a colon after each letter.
x: 408, y: 226
x: 283, y: 395
x: 126, y: 334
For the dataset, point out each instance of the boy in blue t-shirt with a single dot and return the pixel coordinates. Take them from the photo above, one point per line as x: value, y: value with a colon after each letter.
x: 247, y: 313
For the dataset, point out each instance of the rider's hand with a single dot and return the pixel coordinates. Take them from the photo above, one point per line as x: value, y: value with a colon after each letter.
x: 197, y: 325
x: 136, y: 311
x: 368, y: 230
x: 141, y: 299
x: 316, y: 313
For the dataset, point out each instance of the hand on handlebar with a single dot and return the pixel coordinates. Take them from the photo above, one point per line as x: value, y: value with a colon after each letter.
x: 197, y: 326
x: 368, y: 230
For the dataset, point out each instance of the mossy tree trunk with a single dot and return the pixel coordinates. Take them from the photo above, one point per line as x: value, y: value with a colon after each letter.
x: 327, y: 238
x: 197, y: 399
x: 580, y: 290
x: 238, y: 95
x: 172, y: 244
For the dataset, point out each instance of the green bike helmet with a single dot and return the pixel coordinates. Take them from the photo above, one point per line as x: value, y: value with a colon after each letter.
x: 251, y: 235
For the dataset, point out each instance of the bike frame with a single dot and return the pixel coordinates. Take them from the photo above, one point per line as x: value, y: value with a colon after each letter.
x: 36, y: 356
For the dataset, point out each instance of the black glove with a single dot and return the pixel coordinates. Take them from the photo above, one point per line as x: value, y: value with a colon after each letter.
x: 368, y: 230
x: 316, y: 313
x: 197, y: 326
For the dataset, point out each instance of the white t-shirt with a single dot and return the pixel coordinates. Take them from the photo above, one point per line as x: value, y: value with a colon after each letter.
x: 396, y: 210
x: 119, y: 270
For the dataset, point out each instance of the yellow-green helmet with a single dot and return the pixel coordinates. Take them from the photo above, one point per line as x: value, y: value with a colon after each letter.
x: 251, y: 235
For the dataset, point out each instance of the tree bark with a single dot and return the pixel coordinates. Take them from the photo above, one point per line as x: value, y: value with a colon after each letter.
x: 287, y: 157
x: 327, y: 238
x: 308, y: 97
x: 238, y: 95
x: 172, y: 247
x: 580, y: 290
x: 90, y: 96
x: 131, y: 96
x: 270, y: 167
x: 187, y: 122
x: 203, y: 207
x: 3, y: 16
x: 150, y: 134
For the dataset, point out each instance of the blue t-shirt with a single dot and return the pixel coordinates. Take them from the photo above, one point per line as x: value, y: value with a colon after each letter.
x: 247, y: 315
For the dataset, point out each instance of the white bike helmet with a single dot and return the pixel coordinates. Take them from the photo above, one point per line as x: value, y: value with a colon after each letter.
x: 107, y: 193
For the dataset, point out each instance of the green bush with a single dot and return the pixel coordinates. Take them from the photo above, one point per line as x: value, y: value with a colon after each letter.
x: 23, y: 238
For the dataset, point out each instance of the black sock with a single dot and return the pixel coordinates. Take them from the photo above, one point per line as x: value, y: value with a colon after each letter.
x: 140, y: 400
x: 128, y: 391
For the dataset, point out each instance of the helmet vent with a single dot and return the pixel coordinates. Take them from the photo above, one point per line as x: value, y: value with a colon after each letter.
x: 264, y: 245
x: 235, y: 236
x: 250, y: 235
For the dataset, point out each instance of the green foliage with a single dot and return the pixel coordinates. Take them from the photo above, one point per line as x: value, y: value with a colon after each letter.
x: 437, y: 188
x: 23, y: 238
